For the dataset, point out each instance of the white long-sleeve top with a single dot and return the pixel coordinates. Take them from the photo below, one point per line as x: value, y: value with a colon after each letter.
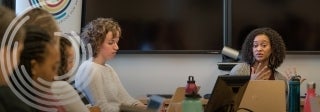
x: 68, y: 97
x: 102, y: 86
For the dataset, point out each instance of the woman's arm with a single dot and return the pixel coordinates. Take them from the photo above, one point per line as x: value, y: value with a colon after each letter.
x: 124, y: 96
x: 240, y: 69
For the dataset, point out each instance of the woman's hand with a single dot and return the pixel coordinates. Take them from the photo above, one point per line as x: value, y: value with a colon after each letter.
x: 260, y: 73
x: 290, y: 72
x: 141, y: 105
x: 94, y: 109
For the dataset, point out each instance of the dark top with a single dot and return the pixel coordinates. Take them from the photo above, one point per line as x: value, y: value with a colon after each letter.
x: 9, y: 102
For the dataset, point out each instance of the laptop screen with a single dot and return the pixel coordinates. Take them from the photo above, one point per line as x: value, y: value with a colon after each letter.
x: 227, y: 93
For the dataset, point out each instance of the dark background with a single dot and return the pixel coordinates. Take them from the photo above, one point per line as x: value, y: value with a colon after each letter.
x: 298, y: 21
x: 163, y: 25
x: 205, y: 26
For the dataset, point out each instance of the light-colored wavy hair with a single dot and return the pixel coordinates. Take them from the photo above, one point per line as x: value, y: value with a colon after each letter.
x: 94, y: 33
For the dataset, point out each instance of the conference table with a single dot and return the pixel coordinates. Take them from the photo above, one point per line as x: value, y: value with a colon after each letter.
x: 167, y: 102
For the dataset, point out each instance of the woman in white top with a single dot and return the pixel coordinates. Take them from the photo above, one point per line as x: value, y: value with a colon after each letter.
x: 94, y: 77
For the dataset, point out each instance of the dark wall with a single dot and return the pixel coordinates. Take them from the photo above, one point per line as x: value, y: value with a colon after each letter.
x: 8, y: 3
x: 153, y: 25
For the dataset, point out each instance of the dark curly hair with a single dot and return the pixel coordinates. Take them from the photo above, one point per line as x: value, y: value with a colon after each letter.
x: 34, y: 46
x: 278, y: 48
x: 94, y: 33
x: 64, y: 44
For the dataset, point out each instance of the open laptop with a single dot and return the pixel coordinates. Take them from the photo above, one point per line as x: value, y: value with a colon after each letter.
x: 240, y: 94
x: 227, y: 93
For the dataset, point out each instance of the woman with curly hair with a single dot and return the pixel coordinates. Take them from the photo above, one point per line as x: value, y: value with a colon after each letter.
x: 66, y: 57
x: 263, y: 51
x: 33, y: 79
x: 98, y: 80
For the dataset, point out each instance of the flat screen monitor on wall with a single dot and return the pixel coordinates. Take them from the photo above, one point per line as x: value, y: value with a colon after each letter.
x: 163, y: 25
x: 298, y: 21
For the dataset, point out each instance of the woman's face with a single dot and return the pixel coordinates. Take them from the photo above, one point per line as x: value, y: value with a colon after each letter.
x: 109, y: 47
x: 48, y: 68
x: 261, y: 48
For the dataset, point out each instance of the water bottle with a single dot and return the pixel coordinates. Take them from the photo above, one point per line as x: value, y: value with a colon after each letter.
x: 191, y: 87
x: 294, y: 94
x: 311, y: 103
x: 192, y: 102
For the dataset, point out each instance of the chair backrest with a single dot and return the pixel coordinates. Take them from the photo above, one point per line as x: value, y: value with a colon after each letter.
x: 264, y: 96
x: 177, y: 97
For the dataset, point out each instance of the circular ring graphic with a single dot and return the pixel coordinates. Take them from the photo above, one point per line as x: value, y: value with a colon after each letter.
x: 56, y: 7
x: 35, y: 93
